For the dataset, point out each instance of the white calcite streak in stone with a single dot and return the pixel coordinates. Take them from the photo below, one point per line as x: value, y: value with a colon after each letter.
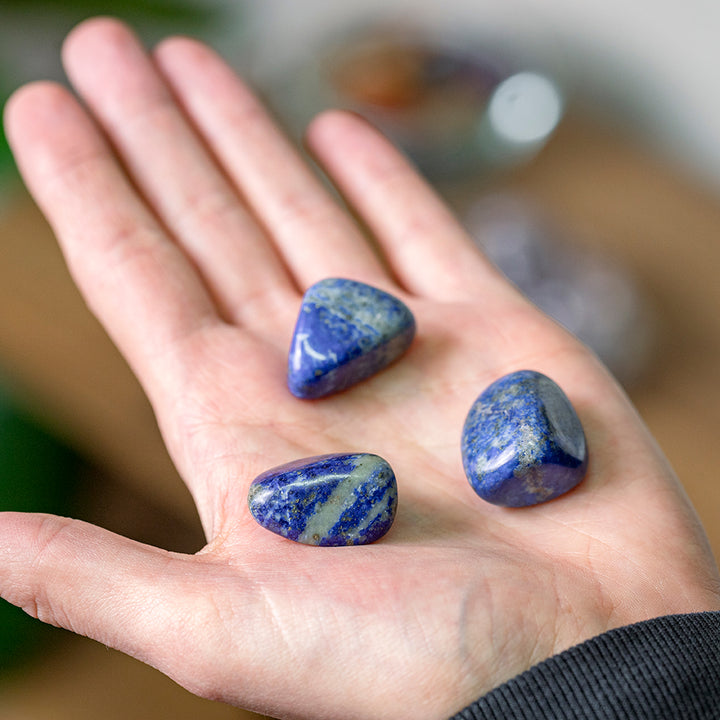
x: 344, y: 499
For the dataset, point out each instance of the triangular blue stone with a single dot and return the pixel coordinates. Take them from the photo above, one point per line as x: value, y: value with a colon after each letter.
x: 346, y: 331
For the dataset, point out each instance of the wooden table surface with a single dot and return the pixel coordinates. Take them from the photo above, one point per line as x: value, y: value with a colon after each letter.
x: 656, y: 222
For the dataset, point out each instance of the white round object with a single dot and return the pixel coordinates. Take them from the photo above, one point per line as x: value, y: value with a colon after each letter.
x: 525, y: 108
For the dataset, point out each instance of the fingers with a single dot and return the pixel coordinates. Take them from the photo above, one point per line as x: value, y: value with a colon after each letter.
x: 174, y: 171
x: 140, y: 285
x: 312, y: 234
x: 425, y: 246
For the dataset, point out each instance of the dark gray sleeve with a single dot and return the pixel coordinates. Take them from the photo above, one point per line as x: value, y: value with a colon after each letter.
x: 659, y: 669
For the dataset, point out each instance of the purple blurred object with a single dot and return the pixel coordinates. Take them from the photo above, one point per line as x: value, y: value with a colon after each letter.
x: 593, y: 297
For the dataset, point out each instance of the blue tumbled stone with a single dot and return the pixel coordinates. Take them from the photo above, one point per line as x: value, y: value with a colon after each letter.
x: 347, y: 499
x: 522, y: 442
x: 346, y: 331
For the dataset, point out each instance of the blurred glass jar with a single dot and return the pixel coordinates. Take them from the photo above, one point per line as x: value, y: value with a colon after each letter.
x: 452, y: 106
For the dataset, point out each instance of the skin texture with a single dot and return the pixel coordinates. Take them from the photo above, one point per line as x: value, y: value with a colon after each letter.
x: 192, y: 228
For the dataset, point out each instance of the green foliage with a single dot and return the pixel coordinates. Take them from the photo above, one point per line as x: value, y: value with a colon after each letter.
x: 161, y: 10
x: 6, y: 160
x: 37, y: 474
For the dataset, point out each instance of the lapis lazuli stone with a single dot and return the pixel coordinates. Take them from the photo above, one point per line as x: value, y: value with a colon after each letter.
x: 346, y: 331
x: 522, y: 442
x: 347, y: 499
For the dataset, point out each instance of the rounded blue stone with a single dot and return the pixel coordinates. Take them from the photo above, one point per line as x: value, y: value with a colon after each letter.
x: 344, y: 499
x: 346, y: 331
x: 522, y: 442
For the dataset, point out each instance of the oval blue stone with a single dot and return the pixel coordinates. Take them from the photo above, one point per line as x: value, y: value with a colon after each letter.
x: 346, y: 499
x: 522, y: 442
x: 346, y: 331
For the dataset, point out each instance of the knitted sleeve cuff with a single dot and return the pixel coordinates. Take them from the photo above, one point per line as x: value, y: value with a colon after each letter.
x: 668, y: 667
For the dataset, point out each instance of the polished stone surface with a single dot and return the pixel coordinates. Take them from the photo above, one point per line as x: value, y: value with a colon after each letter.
x: 346, y: 499
x: 522, y: 442
x: 346, y: 331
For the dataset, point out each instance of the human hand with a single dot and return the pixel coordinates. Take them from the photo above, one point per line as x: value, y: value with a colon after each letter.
x: 193, y: 241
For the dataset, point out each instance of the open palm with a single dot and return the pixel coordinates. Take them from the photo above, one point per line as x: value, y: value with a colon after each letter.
x: 193, y: 227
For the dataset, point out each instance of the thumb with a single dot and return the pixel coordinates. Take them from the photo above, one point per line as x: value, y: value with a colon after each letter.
x: 129, y: 596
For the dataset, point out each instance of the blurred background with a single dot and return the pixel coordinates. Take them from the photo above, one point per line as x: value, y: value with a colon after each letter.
x: 580, y: 144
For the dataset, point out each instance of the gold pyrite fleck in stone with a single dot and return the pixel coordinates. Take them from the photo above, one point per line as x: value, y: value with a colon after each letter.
x: 522, y: 442
x: 345, y: 499
x: 346, y: 331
